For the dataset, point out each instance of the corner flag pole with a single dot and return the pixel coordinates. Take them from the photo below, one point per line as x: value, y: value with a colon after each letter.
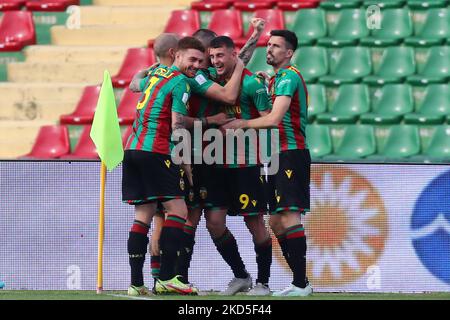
x: 101, y: 229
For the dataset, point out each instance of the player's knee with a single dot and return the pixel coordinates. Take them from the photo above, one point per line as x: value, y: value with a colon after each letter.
x: 276, y: 225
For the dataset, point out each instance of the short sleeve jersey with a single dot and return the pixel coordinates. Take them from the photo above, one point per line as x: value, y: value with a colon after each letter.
x: 289, y: 82
x: 165, y: 90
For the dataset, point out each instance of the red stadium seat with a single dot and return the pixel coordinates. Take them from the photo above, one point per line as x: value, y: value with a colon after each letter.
x: 16, y: 30
x: 211, y: 5
x: 7, y: 5
x: 297, y: 5
x: 50, y: 5
x: 126, y: 134
x: 84, y: 112
x: 274, y: 20
x: 233, y: 28
x: 126, y: 110
x: 51, y: 142
x: 183, y: 22
x: 85, y: 148
x: 253, y: 5
x: 135, y: 60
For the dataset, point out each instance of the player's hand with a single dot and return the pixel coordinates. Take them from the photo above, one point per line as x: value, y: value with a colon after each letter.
x: 235, y: 124
x: 258, y: 24
x: 263, y: 75
x: 219, y: 119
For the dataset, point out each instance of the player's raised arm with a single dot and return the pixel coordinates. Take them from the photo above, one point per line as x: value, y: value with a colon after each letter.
x: 138, y: 81
x: 247, y: 50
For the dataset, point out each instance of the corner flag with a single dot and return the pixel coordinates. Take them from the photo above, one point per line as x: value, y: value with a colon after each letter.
x: 105, y: 131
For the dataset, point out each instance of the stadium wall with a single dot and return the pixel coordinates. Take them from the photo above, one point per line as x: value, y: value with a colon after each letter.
x: 372, y: 228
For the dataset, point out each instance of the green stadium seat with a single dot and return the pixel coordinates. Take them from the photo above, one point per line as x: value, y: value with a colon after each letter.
x: 385, y: 4
x: 352, y: 100
x: 439, y: 147
x: 434, y: 108
x: 317, y: 100
x: 427, y: 4
x: 396, y: 24
x: 340, y: 4
x: 319, y: 140
x: 312, y: 62
x: 348, y: 65
x: 350, y: 27
x: 435, y: 29
x: 391, y: 102
x: 403, y: 141
x: 258, y: 61
x: 309, y: 25
x: 358, y: 142
x: 436, y: 68
x: 396, y: 64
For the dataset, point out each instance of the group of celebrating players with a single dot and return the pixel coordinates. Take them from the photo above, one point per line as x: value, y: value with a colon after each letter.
x: 202, y: 80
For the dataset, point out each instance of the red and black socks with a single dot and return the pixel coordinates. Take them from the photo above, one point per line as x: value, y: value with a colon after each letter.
x: 185, y: 257
x: 137, y: 248
x: 296, y: 249
x: 264, y: 260
x: 228, y: 249
x: 170, y: 244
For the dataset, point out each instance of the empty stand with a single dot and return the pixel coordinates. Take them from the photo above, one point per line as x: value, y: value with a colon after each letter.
x: 211, y: 5
x: 435, y: 29
x: 84, y: 112
x: 135, y: 60
x: 358, y: 142
x: 233, y: 27
x: 183, y: 22
x: 85, y: 148
x: 51, y: 142
x: 317, y: 100
x: 309, y: 26
x: 402, y: 141
x: 16, y: 30
x: 319, y: 140
x: 252, y: 5
x: 126, y: 110
x: 8, y: 5
x: 312, y: 62
x: 436, y: 68
x: 50, y: 5
x: 434, y: 107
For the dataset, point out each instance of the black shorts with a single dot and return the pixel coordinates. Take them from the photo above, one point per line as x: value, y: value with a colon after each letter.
x: 240, y: 190
x: 149, y: 176
x: 289, y: 187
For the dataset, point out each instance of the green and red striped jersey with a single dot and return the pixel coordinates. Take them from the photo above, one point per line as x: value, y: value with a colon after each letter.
x: 289, y: 82
x: 166, y: 90
x: 199, y: 105
x: 253, y: 98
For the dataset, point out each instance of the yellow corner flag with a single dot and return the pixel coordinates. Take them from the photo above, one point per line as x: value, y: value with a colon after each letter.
x: 105, y: 131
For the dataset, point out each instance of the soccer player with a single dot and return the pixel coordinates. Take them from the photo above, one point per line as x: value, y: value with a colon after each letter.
x: 149, y: 174
x: 240, y: 189
x: 291, y: 183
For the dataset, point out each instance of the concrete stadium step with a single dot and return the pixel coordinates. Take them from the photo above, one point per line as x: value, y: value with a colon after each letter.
x: 101, y: 15
x: 39, y: 110
x: 75, y: 54
x: 184, y: 3
x: 106, y: 35
x: 11, y: 93
x: 17, y: 137
x: 61, y: 72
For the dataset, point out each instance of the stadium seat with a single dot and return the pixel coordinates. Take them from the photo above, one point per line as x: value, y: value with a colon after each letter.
x: 396, y: 24
x: 433, y: 108
x: 312, y: 62
x: 402, y: 141
x: 50, y: 5
x: 135, y: 60
x: 85, y: 148
x: 340, y: 4
x: 439, y: 147
x: 358, y: 142
x: 183, y: 22
x: 427, y: 4
x: 385, y: 4
x: 435, y: 29
x: 252, y: 5
x: 347, y: 65
x: 319, y: 140
x: 317, y: 100
x: 352, y: 100
x: 390, y: 103
x: 51, y: 142
x: 16, y: 30
x: 8, y: 5
x: 258, y: 62
x: 84, y: 112
x: 395, y: 65
x: 350, y: 27
x: 309, y: 25
x: 233, y: 28
x: 126, y: 111
x: 436, y: 69
x: 274, y: 20
x: 211, y: 5
x: 297, y: 5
